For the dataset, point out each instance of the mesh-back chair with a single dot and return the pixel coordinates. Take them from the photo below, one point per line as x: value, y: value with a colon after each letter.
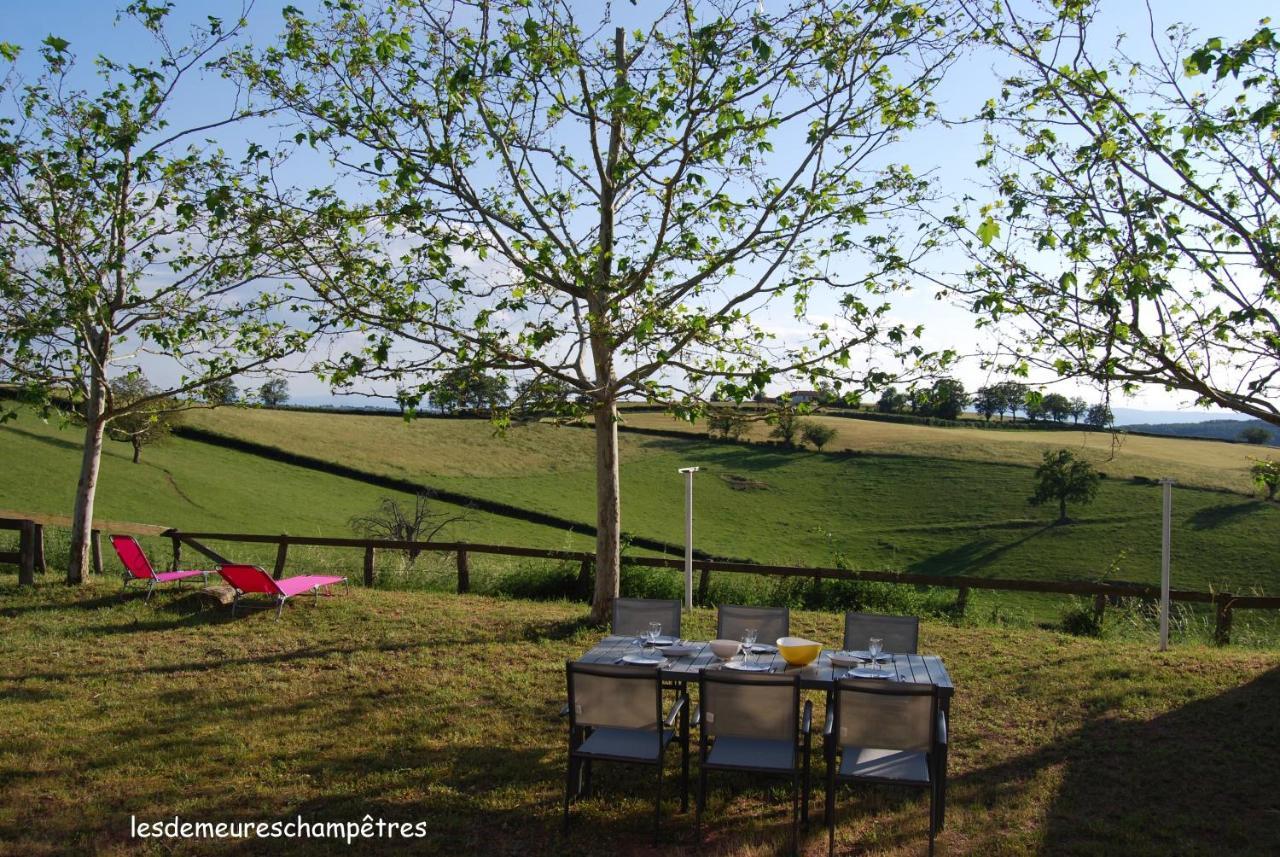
x: 634, y: 614
x: 753, y: 722
x: 615, y: 715
x: 771, y: 622
x: 901, y: 634
x: 886, y: 732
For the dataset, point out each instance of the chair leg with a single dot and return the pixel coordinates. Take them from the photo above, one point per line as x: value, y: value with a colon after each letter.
x: 235, y: 602
x: 701, y: 804
x: 588, y: 789
x: 657, y: 803
x: 795, y: 801
x: 831, y: 805
x: 933, y: 816
x: 804, y: 805
x: 279, y: 608
x: 684, y: 758
x: 570, y: 782
x: 151, y: 587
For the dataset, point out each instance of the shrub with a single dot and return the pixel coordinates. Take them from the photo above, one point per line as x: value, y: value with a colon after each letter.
x: 817, y: 434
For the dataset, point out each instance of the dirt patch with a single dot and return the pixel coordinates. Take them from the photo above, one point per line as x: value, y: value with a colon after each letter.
x: 742, y: 483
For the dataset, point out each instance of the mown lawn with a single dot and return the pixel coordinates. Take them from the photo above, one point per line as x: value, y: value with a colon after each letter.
x: 412, y: 706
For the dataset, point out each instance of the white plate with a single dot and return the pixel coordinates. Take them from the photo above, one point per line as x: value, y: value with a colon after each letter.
x: 764, y: 649
x: 680, y: 651
x: 661, y: 641
x: 748, y: 666
x: 844, y: 659
x: 645, y: 660
x: 870, y: 672
x: 863, y: 655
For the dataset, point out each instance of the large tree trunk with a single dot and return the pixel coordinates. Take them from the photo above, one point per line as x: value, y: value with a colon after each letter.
x: 137, y: 449
x: 78, y: 564
x: 608, y: 512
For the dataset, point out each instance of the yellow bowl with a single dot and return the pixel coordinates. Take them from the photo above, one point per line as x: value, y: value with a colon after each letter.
x: 798, y: 651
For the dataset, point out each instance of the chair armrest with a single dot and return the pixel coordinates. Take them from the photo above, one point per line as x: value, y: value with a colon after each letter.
x: 806, y: 725
x: 942, y: 728
x: 830, y: 724
x: 695, y: 719
x: 675, y: 711
x: 564, y: 710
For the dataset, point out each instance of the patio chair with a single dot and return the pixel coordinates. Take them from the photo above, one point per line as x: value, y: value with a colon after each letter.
x: 248, y: 579
x: 771, y: 622
x: 634, y: 614
x: 883, y: 732
x: 753, y: 722
x: 138, y: 567
x: 901, y: 634
x: 615, y: 715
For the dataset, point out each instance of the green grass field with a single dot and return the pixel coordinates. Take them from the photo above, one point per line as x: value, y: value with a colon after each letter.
x: 439, y: 708
x: 887, y: 510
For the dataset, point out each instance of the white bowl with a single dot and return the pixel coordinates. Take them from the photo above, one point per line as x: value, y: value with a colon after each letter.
x: 725, y: 649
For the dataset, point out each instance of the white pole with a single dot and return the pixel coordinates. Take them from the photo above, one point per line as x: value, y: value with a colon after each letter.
x: 1165, y: 533
x: 688, y: 535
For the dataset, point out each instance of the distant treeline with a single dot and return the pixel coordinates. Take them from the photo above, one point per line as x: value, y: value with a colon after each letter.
x: 1239, y: 431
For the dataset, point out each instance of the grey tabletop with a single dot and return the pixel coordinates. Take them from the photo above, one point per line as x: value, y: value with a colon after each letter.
x: 921, y: 669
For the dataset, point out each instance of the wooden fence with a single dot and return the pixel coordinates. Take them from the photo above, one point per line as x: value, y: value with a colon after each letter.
x: 1223, y: 603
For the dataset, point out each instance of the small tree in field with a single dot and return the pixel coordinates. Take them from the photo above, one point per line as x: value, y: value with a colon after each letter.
x: 1063, y: 478
x: 1266, y: 475
x: 817, y: 434
x: 1099, y: 416
x: 274, y: 392
x: 727, y: 423
x: 1255, y: 435
x: 392, y: 521
x: 144, y: 417
x: 221, y: 392
x: 1077, y: 408
x: 786, y: 425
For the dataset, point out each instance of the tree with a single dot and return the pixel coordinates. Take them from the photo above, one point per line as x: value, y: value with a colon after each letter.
x: 1013, y: 396
x: 122, y: 233
x: 1131, y: 230
x: 1099, y: 416
x: 140, y: 424
x: 816, y: 433
x: 392, y: 521
x: 466, y: 388
x: 1034, y: 408
x: 947, y: 399
x: 220, y: 392
x: 726, y: 423
x: 274, y: 392
x: 1078, y: 407
x: 1063, y: 478
x: 610, y: 210
x: 1255, y: 435
x: 988, y: 402
x: 786, y: 425
x: 1057, y: 407
x: 550, y: 395
x: 1266, y: 475
x: 891, y: 401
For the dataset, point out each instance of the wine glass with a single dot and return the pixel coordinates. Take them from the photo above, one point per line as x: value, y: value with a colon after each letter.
x: 749, y: 636
x: 655, y: 631
x: 875, y: 646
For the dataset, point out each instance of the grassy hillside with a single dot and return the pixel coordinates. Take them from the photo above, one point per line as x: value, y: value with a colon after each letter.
x: 195, y: 486
x: 1198, y: 463
x: 936, y: 514
x: 442, y: 709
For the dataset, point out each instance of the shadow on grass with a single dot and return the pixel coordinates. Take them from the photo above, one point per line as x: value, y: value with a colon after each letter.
x: 1200, y: 779
x: 1211, y: 517
x: 567, y: 629
x: 972, y: 555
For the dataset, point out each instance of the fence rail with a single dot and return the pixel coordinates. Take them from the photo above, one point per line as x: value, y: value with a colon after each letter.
x: 1224, y: 603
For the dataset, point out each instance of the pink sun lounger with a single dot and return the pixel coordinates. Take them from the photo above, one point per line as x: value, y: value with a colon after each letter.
x: 138, y: 567
x: 247, y: 579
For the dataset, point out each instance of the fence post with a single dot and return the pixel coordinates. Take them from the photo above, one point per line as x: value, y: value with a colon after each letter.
x: 39, y: 548
x: 1099, y: 607
x: 282, y: 554
x: 368, y: 566
x: 95, y: 541
x: 26, y: 554
x: 177, y: 553
x: 1222, y: 630
x: 962, y: 600
x: 704, y: 584
x: 464, y: 573
x: 584, y: 580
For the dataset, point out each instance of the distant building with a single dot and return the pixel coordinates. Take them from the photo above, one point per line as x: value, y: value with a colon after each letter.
x: 805, y: 397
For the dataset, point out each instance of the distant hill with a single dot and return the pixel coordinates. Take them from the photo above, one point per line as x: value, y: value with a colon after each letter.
x: 1214, y: 429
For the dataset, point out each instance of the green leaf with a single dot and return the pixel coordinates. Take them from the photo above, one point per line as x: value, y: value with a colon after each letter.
x: 988, y: 231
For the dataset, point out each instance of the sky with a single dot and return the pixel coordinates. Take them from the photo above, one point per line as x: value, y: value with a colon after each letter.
x: 90, y: 27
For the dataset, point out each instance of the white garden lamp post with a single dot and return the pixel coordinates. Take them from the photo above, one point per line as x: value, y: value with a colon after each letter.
x: 1166, y: 488
x: 688, y: 534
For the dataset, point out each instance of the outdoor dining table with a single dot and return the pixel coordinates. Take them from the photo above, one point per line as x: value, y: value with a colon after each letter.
x: 819, y: 675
